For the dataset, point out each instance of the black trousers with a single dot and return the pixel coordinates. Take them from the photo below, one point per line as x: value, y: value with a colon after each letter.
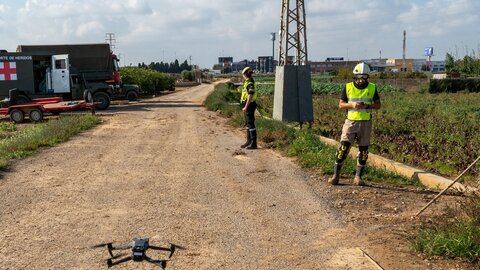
x: 250, y: 115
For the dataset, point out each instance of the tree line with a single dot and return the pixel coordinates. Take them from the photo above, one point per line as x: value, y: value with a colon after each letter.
x: 468, y: 65
x: 173, y: 67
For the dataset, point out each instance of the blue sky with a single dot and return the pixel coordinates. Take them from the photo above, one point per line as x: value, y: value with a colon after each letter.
x: 162, y: 30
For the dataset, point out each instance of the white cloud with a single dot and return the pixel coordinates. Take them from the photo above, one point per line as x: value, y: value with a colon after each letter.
x: 156, y: 30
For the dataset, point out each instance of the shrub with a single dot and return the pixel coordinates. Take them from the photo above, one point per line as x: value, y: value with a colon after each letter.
x: 150, y: 81
x: 454, y: 85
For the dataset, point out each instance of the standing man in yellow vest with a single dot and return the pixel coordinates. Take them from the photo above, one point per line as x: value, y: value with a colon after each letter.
x: 358, y: 98
x: 248, y: 101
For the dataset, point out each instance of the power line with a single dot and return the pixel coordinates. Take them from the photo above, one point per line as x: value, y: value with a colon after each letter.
x: 110, y: 38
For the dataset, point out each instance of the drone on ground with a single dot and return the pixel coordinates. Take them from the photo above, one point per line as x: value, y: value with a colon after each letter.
x: 139, y: 248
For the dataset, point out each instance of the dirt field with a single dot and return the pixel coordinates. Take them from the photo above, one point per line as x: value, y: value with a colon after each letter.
x: 167, y: 169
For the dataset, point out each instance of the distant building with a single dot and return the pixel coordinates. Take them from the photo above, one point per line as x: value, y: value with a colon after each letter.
x: 378, y: 64
x: 238, y: 66
x: 331, y: 64
x: 435, y: 66
x: 400, y: 65
x: 225, y: 62
x: 265, y: 64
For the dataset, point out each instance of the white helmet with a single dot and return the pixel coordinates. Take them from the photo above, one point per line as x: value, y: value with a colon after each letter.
x: 361, y: 69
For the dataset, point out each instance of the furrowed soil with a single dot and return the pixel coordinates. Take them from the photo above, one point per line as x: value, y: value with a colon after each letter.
x: 167, y: 169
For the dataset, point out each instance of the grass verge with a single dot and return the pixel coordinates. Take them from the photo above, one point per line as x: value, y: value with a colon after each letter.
x: 456, y: 238
x: 459, y: 240
x: 23, y: 143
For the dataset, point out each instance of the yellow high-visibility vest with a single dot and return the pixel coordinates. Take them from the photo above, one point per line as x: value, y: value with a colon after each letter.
x: 360, y: 95
x: 244, y: 96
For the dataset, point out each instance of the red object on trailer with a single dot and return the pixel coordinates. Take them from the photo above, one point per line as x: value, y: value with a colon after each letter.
x: 38, y: 106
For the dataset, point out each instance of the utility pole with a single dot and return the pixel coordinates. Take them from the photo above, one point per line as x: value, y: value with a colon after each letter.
x: 272, y: 38
x: 293, y: 90
x: 121, y: 57
x: 110, y: 38
x: 404, y: 67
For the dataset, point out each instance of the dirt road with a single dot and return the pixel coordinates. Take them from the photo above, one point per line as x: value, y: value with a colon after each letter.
x: 167, y: 169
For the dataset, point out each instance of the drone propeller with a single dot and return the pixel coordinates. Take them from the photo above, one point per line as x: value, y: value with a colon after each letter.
x: 102, y: 245
x: 161, y: 263
x: 173, y: 248
x: 178, y: 247
x: 111, y: 263
x: 110, y: 247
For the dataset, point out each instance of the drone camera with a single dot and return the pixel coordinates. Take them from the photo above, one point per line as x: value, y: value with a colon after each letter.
x: 139, y: 247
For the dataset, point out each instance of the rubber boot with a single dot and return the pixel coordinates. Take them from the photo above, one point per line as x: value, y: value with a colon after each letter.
x: 358, y: 176
x: 249, y: 140
x: 253, y: 140
x: 336, y: 174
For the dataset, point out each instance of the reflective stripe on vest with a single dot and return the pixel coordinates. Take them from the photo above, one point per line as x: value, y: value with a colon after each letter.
x: 244, y: 96
x: 360, y: 95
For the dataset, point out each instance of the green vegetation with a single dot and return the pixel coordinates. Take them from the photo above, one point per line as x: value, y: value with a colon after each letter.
x: 7, y: 127
x: 454, y: 85
x: 319, y: 87
x: 188, y: 75
x: 19, y: 144
x: 436, y: 132
x: 467, y: 66
x: 459, y: 239
x: 150, y: 81
x: 455, y: 238
x: 174, y: 67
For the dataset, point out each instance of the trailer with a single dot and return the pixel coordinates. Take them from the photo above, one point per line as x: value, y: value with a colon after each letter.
x: 37, y: 107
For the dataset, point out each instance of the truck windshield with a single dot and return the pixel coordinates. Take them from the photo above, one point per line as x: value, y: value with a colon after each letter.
x: 115, y: 63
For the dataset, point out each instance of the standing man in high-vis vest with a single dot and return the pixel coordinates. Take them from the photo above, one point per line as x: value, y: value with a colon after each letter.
x: 358, y: 98
x: 248, y: 101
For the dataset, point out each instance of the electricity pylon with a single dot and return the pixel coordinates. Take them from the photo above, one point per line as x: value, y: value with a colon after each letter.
x: 293, y: 89
x: 292, y: 19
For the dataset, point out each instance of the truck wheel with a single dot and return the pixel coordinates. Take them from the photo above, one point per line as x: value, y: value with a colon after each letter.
x: 87, y: 96
x: 17, y: 116
x: 35, y: 115
x: 132, y: 96
x: 103, y: 99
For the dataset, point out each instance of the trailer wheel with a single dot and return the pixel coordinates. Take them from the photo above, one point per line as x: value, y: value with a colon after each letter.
x: 103, y: 99
x: 17, y: 116
x: 35, y: 115
x: 132, y: 96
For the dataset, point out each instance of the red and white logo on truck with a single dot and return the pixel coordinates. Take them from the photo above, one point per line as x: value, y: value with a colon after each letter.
x: 8, y: 71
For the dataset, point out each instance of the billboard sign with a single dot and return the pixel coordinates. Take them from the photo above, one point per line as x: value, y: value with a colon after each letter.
x: 428, y: 51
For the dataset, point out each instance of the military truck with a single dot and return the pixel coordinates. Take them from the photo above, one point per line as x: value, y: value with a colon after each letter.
x: 72, y: 71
